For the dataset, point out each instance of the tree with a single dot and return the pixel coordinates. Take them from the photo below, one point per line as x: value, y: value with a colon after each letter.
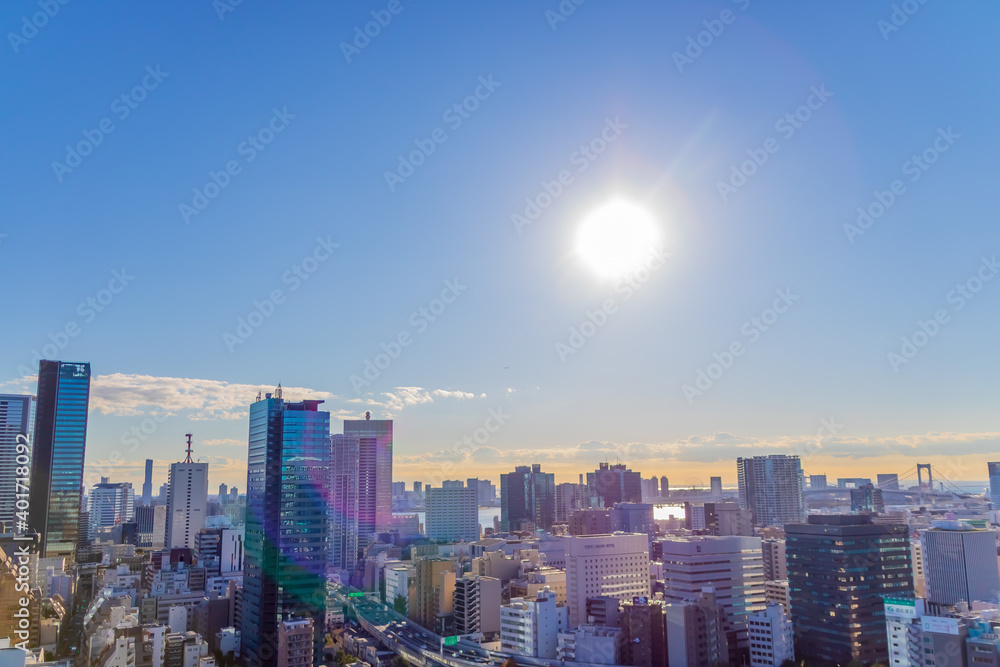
x: 399, y: 605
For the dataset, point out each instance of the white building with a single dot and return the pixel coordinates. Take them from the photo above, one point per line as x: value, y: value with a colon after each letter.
x: 111, y: 504
x: 452, y: 514
x: 532, y: 627
x: 771, y: 488
x: 594, y: 644
x: 477, y: 605
x: 231, y: 550
x: 615, y: 564
x: 903, y: 629
x: 960, y: 563
x: 187, y: 503
x: 771, y: 637
x: 733, y: 565
x: 397, y: 582
x: 919, y: 576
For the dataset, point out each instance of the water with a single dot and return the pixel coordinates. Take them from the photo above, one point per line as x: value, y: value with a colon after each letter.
x: 486, y: 515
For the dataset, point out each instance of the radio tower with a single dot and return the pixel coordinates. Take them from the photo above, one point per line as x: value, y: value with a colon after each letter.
x: 188, y: 459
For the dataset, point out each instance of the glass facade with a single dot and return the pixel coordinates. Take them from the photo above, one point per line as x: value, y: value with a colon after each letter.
x: 58, y: 454
x: 16, y: 417
x: 527, y: 494
x: 374, y: 476
x: 286, y: 541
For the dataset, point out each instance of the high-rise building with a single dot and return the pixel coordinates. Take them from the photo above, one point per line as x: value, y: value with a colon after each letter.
x: 531, y: 627
x: 16, y: 423
x: 288, y: 478
x: 569, y: 498
x: 432, y: 590
x: 57, y: 455
x: 696, y: 632
x: 771, y: 641
x: 486, y: 492
x: 993, y: 468
x: 839, y: 569
x: 961, y: 563
x: 343, y: 509
x: 771, y: 488
x: 817, y: 482
x: 527, y: 495
x: 716, y: 485
x: 111, y: 504
x: 664, y: 487
x: 614, y: 483
x: 223, y: 492
x: 147, y: 484
x: 615, y: 565
x: 775, y: 567
x: 733, y: 565
x: 452, y: 514
x: 187, y: 502
x: 374, y: 476
x: 867, y: 499
x: 477, y: 605
x: 644, y: 624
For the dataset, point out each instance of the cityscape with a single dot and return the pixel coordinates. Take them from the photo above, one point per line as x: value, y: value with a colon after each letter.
x: 561, y: 333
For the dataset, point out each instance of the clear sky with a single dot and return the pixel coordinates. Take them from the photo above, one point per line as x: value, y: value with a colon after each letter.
x: 657, y: 104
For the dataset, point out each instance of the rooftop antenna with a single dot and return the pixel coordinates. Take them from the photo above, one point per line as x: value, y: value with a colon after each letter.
x: 368, y: 416
x: 188, y: 459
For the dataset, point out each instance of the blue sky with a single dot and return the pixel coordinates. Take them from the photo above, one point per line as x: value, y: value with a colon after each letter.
x: 160, y: 343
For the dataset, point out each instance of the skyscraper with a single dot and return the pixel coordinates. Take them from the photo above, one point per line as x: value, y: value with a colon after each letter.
x: 374, y: 476
x: 716, y: 485
x: 614, y: 483
x: 57, y: 455
x: 15, y: 426
x: 288, y: 478
x: 343, y: 507
x: 527, y: 494
x: 452, y: 514
x: 839, y: 569
x: 187, y: 502
x: 111, y: 504
x: 994, y: 470
x: 664, y: 487
x: 147, y: 484
x: 960, y: 563
x: 771, y: 488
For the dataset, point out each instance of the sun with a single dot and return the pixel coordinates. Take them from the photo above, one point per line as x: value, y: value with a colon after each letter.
x: 617, y: 238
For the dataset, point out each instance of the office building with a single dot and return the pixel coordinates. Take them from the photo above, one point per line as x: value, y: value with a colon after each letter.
x: 615, y: 565
x: 852, y: 482
x: 664, y: 487
x: 432, y: 591
x: 593, y: 644
x: 486, y: 492
x: 613, y: 483
x: 452, y: 515
x: 775, y: 567
x: 374, y: 476
x: 570, y: 498
x: 696, y: 632
x: 477, y: 606
x: 343, y: 505
x: 888, y: 482
x: 771, y: 639
x: 960, y: 563
x: 771, y: 488
x: 836, y: 592
x: 284, y: 565
x: 732, y: 565
x: 867, y: 500
x: 993, y: 468
x: 58, y: 452
x: 111, y: 504
x: 644, y: 625
x: 532, y: 627
x: 527, y: 498
x: 919, y: 573
x: 817, y: 482
x: 715, y: 483
x: 776, y: 592
x: 147, y: 484
x: 187, y: 502
x: 16, y: 427
x: 295, y: 643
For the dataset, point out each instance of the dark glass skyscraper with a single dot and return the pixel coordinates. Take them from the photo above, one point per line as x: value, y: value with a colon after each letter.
x: 614, y: 483
x: 57, y: 455
x: 839, y: 569
x: 288, y: 473
x: 16, y: 414
x: 527, y: 494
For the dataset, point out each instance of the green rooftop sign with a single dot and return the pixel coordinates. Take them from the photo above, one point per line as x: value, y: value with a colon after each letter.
x: 356, y: 594
x: 902, y: 602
